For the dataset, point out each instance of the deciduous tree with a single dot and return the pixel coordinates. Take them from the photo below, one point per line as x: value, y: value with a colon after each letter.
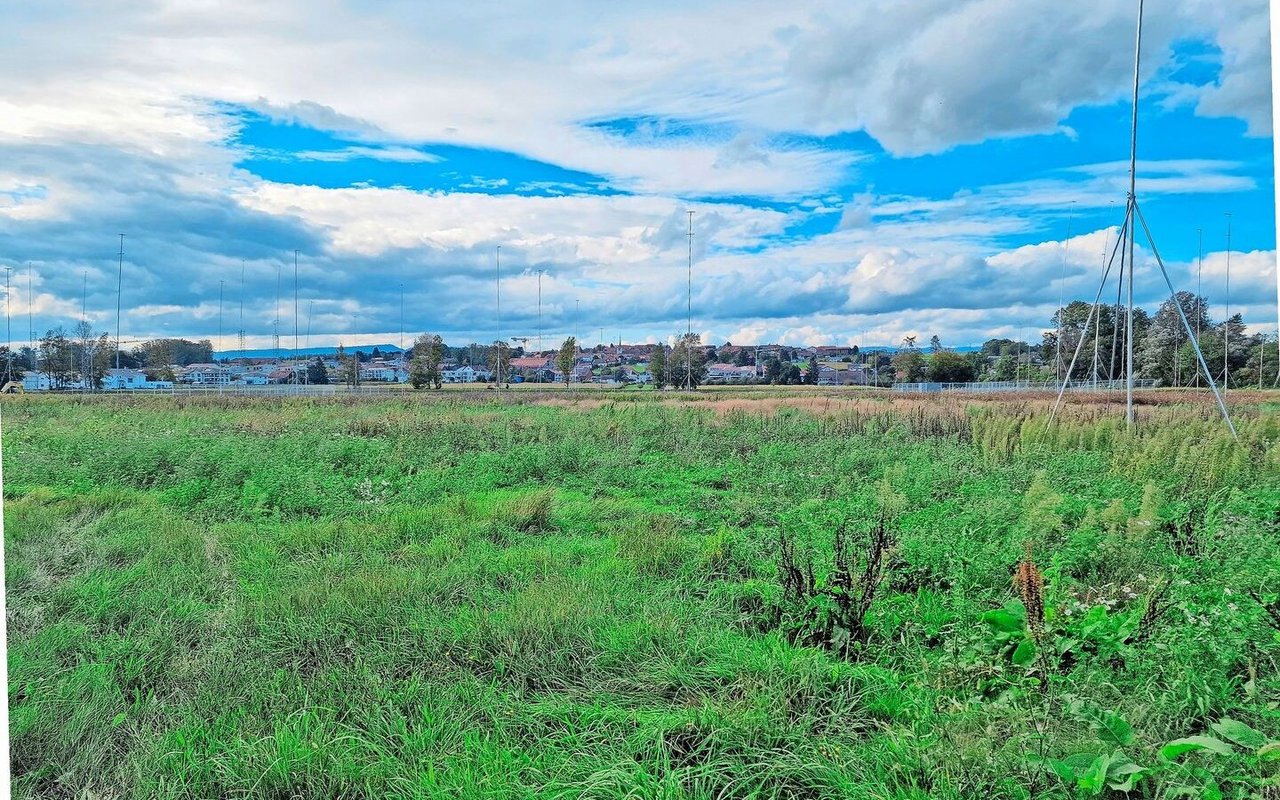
x: 567, y: 358
x: 424, y: 367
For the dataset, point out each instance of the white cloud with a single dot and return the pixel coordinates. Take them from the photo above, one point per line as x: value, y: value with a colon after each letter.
x: 524, y: 80
x: 111, y: 119
x: 402, y: 154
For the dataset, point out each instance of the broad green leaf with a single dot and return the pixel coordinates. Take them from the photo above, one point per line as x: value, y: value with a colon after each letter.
x: 1005, y: 619
x: 1025, y: 653
x: 1063, y: 770
x: 119, y: 719
x: 1123, y: 774
x: 1113, y: 729
x: 1236, y: 731
x: 1094, y: 778
x: 1269, y: 752
x: 1178, y: 747
x: 1211, y: 791
x: 1079, y: 762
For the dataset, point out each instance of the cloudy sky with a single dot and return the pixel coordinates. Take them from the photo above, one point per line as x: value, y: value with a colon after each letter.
x: 858, y: 170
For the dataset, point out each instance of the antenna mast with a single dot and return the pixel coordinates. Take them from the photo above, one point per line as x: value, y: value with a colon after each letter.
x: 119, y: 289
x: 1128, y: 235
x: 1226, y: 322
x: 8, y: 356
x: 1133, y: 200
x: 275, y: 323
x: 497, y: 339
x: 295, y: 306
x: 31, y: 327
x: 241, y: 335
x: 688, y: 332
x: 1062, y: 281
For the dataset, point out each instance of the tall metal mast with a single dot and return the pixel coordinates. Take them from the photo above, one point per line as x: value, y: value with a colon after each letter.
x: 8, y: 356
x: 1062, y: 281
x: 119, y: 289
x: 688, y: 331
x: 497, y: 339
x: 1199, y: 296
x: 540, y: 319
x: 221, y: 285
x: 1128, y: 234
x: 1226, y: 322
x: 31, y: 327
x: 295, y: 305
x: 241, y: 334
x: 217, y: 375
x: 275, y: 324
x: 1133, y: 199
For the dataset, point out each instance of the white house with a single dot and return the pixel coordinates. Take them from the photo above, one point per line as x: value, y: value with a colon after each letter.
x: 378, y: 371
x: 729, y: 373
x: 207, y: 375
x: 126, y: 379
x: 36, y: 382
x: 465, y: 374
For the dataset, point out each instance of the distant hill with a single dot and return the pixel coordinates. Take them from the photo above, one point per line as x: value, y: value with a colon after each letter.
x: 304, y: 352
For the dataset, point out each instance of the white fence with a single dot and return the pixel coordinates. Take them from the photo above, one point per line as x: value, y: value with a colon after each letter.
x: 1021, y: 386
x: 270, y: 390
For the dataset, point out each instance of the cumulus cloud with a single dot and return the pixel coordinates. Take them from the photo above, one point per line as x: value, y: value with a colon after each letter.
x: 964, y: 72
x: 115, y: 119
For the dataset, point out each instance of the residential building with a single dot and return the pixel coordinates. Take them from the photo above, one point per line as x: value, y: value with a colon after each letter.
x: 116, y: 379
x: 383, y: 371
x: 465, y: 374
x: 206, y: 375
x: 35, y: 381
x: 729, y: 373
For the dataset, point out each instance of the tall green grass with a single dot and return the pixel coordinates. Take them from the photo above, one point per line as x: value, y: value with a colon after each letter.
x: 478, y: 598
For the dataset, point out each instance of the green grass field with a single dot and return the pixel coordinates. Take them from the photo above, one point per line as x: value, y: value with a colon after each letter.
x: 730, y: 596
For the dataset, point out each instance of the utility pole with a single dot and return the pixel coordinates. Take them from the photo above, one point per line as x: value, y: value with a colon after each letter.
x: 402, y: 320
x: 119, y: 289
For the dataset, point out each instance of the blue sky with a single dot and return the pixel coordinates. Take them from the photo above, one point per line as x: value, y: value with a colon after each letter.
x: 857, y: 173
